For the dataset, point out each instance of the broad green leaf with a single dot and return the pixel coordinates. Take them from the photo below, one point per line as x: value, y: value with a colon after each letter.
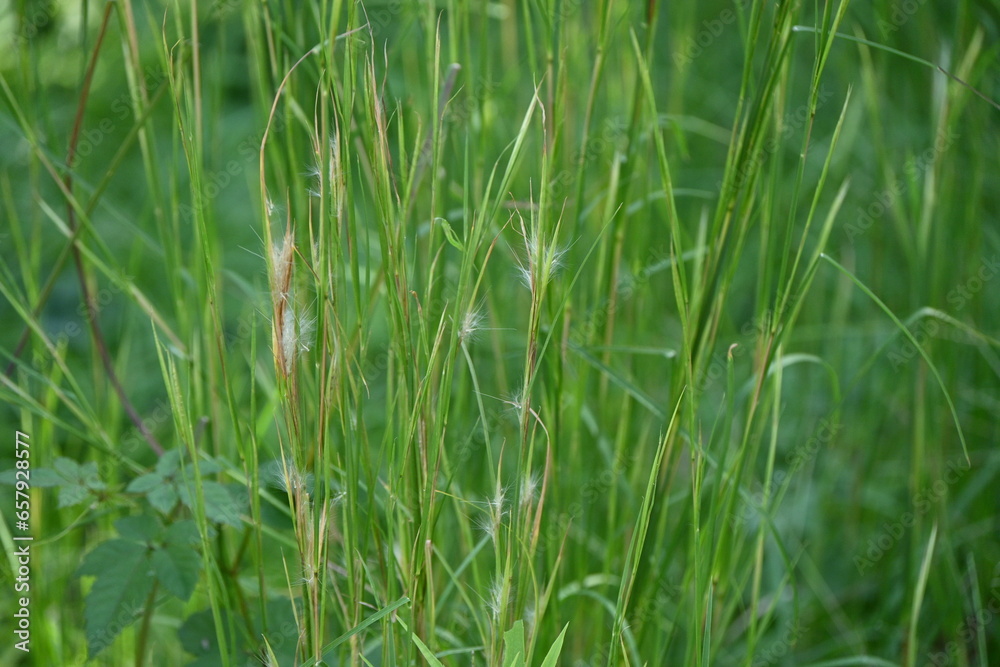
x: 75, y: 482
x: 119, y: 593
x: 139, y: 528
x: 72, y: 494
x: 145, y: 483
x: 209, y: 467
x: 169, y: 463
x: 40, y: 477
x: 89, y: 476
x: 177, y: 568
x: 220, y: 506
x: 513, y: 642
x: 68, y: 469
x: 164, y: 498
x: 44, y: 477
x: 183, y: 533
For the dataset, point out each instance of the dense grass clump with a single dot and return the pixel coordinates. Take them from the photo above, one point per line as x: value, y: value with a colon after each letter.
x: 506, y: 333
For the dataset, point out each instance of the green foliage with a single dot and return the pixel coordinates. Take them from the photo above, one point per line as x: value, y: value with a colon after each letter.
x: 128, y: 570
x: 76, y: 483
x: 199, y: 639
x: 513, y: 646
x: 168, y: 485
x: 551, y: 658
x: 511, y: 333
x: 119, y: 594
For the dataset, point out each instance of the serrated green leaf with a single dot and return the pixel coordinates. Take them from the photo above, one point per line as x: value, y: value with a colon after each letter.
x: 104, y: 556
x: 209, y: 466
x: 68, y: 469
x: 75, y: 482
x: 220, y: 506
x: 40, y: 477
x: 183, y: 533
x: 513, y: 642
x: 164, y: 498
x: 90, y: 477
x: 169, y: 463
x: 119, y: 593
x: 177, y: 569
x: 72, y: 494
x: 145, y: 483
x: 139, y: 528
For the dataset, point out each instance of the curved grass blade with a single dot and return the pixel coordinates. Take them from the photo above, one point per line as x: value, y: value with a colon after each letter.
x: 910, y: 337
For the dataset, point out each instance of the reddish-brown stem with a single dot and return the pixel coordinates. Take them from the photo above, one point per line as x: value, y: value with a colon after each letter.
x: 81, y: 275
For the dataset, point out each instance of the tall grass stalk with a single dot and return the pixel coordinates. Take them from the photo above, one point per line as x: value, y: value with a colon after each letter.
x: 531, y: 332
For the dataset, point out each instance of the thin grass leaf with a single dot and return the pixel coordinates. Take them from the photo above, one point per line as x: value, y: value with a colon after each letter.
x: 910, y: 337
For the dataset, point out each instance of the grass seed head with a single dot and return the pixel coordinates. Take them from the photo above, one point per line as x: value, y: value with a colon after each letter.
x: 529, y: 489
x: 495, y: 601
x: 291, y: 480
x: 471, y: 323
x: 281, y: 267
x: 544, y: 260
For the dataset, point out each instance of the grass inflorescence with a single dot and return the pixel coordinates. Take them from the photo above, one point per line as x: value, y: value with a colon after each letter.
x: 512, y: 333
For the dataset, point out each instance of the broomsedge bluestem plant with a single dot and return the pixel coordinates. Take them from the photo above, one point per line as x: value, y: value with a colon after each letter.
x: 398, y: 144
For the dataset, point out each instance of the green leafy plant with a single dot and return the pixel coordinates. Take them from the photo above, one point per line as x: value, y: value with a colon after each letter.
x: 129, y: 570
x: 511, y: 334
